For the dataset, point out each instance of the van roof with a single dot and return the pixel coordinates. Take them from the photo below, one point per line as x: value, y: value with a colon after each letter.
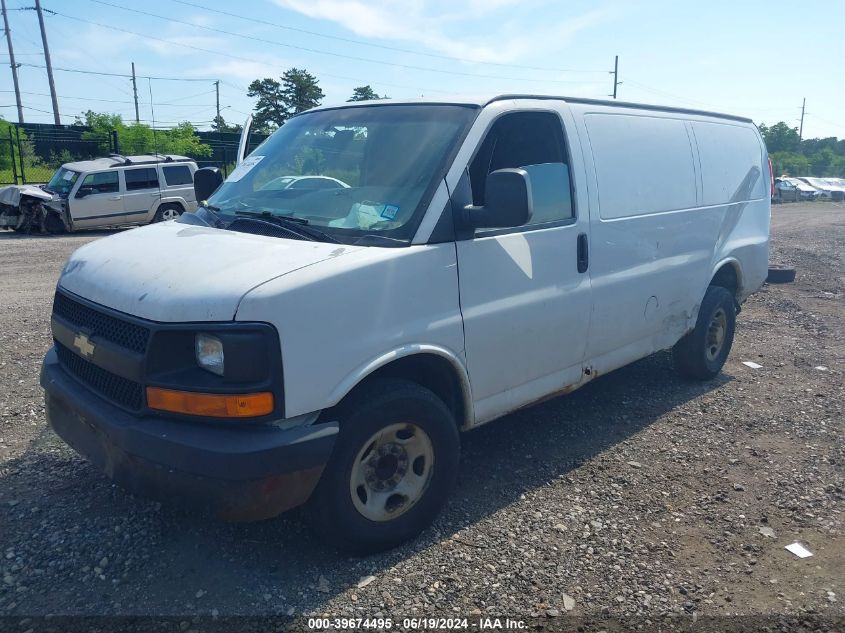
x: 118, y: 160
x: 485, y: 100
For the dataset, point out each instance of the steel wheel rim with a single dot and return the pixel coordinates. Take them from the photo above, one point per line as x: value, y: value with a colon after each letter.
x: 716, y: 332
x: 169, y: 214
x: 391, y: 472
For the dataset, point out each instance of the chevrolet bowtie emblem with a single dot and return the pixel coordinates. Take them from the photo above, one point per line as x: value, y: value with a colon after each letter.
x: 84, y: 345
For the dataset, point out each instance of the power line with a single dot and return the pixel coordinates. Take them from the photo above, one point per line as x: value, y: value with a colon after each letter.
x: 315, y: 50
x: 167, y: 103
x: 397, y: 49
x: 125, y: 76
x: 45, y: 94
x: 203, y: 50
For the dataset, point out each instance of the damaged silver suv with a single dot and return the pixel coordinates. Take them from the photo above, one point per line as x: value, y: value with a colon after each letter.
x: 102, y: 192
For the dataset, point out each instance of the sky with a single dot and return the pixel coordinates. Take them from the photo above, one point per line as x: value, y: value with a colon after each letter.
x: 754, y: 58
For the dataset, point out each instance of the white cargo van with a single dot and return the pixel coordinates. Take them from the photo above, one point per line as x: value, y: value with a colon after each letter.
x: 328, y: 343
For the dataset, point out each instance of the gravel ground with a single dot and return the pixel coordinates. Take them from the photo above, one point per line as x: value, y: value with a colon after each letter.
x: 641, y: 494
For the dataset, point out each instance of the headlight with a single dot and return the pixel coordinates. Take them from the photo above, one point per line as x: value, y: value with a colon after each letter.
x: 209, y: 351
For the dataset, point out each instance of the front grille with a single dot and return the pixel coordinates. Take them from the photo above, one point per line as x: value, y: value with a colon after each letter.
x: 118, y: 331
x: 123, y: 392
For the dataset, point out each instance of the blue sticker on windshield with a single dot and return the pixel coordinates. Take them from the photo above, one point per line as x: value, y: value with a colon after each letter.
x: 389, y: 211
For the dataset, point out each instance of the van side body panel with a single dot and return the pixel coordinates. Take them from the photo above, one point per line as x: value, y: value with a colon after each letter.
x: 664, y: 216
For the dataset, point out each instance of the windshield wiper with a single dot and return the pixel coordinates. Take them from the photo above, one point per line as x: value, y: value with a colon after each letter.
x: 298, y: 225
x: 372, y: 239
x: 213, y: 212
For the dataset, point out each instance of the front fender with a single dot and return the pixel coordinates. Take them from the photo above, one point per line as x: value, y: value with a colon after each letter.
x: 365, y: 370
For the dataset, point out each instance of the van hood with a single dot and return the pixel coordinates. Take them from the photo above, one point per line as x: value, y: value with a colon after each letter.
x: 173, y: 272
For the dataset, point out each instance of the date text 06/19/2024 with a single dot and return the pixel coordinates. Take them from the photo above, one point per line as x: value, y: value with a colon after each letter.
x: 418, y: 624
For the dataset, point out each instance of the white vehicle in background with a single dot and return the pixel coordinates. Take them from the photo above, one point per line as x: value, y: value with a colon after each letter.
x: 305, y: 183
x: 829, y: 187
x: 102, y: 192
x: 327, y: 346
x: 795, y: 190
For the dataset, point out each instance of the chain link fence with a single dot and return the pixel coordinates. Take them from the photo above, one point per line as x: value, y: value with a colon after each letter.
x: 30, y: 153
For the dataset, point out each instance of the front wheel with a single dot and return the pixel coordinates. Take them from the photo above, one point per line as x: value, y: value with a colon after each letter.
x: 394, y: 462
x: 702, y: 353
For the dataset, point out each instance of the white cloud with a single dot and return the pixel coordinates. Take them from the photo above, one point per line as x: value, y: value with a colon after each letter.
x: 242, y: 72
x: 440, y: 27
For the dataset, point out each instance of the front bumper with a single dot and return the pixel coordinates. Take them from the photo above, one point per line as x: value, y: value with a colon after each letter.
x: 243, y: 474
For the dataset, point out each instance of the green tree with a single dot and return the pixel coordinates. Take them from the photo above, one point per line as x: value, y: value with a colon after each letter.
x: 219, y: 124
x: 297, y: 92
x: 780, y: 137
x: 270, y: 110
x: 300, y: 91
x: 789, y: 164
x: 821, y: 161
x: 139, y: 138
x: 364, y: 93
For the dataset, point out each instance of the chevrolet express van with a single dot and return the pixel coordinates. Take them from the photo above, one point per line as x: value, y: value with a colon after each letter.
x: 327, y: 344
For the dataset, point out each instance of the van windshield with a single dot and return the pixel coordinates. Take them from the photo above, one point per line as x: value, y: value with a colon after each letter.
x: 349, y: 171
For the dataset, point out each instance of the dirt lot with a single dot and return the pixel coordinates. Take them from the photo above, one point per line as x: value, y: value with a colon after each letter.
x: 640, y: 494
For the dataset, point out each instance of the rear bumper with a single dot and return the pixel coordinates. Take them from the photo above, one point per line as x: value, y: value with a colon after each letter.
x: 246, y: 473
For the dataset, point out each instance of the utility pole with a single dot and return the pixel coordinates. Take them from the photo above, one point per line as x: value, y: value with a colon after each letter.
x: 801, y: 129
x: 217, y: 89
x: 56, y: 118
x: 12, y: 63
x: 615, y: 74
x: 135, y: 92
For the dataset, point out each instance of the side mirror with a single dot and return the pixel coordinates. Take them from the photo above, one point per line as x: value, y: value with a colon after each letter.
x: 508, y: 201
x: 206, y: 182
x: 82, y: 192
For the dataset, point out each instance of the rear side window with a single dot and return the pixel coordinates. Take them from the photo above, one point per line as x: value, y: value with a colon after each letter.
x: 99, y: 182
x: 177, y: 175
x: 534, y: 142
x: 643, y: 164
x: 144, y: 178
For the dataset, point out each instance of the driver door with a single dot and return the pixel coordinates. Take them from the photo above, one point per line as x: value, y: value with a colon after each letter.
x: 525, y: 291
x: 97, y: 199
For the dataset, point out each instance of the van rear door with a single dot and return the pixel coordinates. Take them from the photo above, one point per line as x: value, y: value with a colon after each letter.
x: 525, y: 303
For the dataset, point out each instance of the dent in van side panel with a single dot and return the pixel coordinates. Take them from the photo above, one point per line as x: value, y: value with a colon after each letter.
x: 363, y: 310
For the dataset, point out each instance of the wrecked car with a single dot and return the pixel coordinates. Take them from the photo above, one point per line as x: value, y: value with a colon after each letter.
x: 115, y: 190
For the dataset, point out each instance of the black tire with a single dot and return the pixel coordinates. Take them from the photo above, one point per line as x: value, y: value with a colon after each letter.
x: 780, y: 274
x: 166, y: 210
x: 697, y: 355
x: 53, y: 224
x: 331, y: 511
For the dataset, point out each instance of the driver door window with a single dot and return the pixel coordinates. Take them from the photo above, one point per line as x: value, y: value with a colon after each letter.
x: 99, y: 182
x: 532, y: 141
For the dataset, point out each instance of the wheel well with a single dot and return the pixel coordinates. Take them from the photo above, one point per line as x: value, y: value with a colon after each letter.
x: 164, y: 205
x: 727, y: 278
x: 427, y: 370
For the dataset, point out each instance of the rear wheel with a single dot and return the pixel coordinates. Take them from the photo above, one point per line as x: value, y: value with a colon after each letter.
x: 393, y: 465
x: 167, y: 212
x: 702, y: 352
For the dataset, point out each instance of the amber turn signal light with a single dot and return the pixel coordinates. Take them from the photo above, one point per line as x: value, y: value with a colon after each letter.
x: 217, y: 405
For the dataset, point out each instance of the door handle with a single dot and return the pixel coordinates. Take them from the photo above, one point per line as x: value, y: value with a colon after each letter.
x: 115, y: 198
x: 583, y: 253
